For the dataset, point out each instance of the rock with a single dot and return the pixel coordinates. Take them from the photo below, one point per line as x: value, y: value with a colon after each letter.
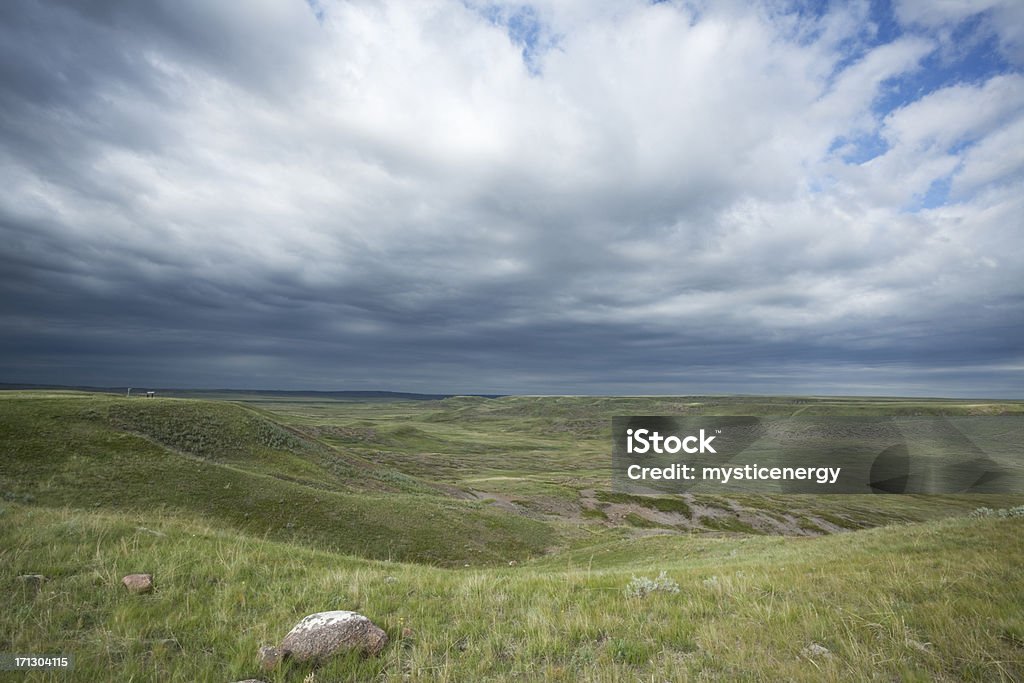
x: 32, y: 579
x: 251, y: 680
x: 407, y: 633
x: 324, y: 634
x: 269, y: 657
x: 138, y: 583
x: 321, y: 636
x: 815, y: 650
x: 33, y: 582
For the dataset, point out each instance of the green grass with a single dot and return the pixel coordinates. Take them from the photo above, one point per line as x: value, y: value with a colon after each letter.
x: 676, y: 505
x: 65, y: 452
x: 928, y: 601
x: 727, y: 524
x: 255, y: 512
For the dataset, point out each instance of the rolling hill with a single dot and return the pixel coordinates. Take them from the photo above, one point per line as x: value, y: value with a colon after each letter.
x: 483, y: 536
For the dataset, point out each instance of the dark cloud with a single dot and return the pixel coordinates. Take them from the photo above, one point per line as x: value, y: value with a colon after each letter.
x: 392, y: 196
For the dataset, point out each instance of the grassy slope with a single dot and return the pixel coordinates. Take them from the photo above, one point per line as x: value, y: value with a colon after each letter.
x: 242, y: 471
x: 543, y: 453
x: 252, y: 517
x: 928, y: 601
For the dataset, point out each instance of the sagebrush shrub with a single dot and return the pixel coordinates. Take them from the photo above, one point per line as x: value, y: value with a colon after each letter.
x: 641, y: 586
x: 1004, y: 513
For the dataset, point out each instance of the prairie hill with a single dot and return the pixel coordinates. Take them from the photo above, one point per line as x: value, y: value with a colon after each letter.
x: 462, y: 480
x: 932, y: 601
x: 237, y: 467
x: 547, y: 457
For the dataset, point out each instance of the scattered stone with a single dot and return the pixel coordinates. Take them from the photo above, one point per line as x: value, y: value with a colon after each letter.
x: 269, y: 657
x: 320, y: 636
x: 251, y: 680
x: 512, y: 563
x: 390, y: 579
x: 815, y: 650
x: 406, y: 633
x: 33, y: 581
x: 138, y: 583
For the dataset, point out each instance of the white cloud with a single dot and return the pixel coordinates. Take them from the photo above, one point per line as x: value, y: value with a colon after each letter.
x: 997, y: 159
x: 665, y: 166
x: 1004, y: 18
x: 957, y: 113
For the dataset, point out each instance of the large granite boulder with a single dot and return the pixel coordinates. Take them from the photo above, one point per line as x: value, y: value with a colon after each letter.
x: 320, y: 636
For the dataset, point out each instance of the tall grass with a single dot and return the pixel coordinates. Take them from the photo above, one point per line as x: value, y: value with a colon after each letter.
x: 932, y: 601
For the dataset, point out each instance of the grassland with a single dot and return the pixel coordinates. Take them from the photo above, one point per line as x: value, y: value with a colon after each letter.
x: 253, y: 513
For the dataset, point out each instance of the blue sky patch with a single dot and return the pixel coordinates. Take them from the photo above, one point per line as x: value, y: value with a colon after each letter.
x: 525, y: 29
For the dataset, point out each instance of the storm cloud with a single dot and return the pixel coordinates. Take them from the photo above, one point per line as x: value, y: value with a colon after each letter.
x: 565, y: 196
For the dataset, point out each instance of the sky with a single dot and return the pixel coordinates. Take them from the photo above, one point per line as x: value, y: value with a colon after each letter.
x: 550, y: 197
